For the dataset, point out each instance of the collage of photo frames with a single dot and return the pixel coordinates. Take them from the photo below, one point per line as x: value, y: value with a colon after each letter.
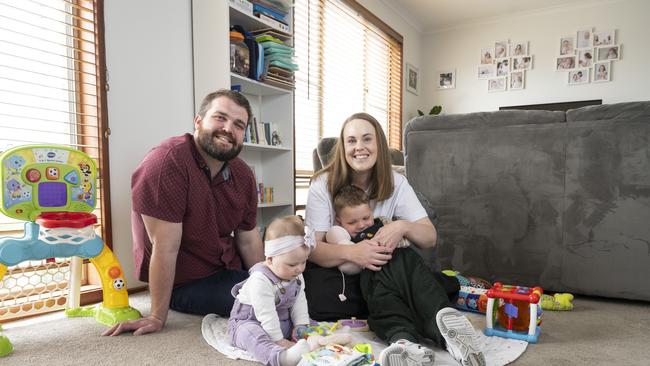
x: 588, y: 56
x: 504, y: 65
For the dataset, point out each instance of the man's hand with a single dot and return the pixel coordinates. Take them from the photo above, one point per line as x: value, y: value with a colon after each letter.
x: 142, y: 326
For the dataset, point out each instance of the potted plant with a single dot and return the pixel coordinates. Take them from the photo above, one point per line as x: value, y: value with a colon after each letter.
x: 436, y: 109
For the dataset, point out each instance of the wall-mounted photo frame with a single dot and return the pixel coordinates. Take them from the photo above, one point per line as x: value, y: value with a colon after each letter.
x: 486, y: 71
x: 584, y: 38
x: 585, y: 57
x: 604, y: 38
x: 497, y: 84
x: 609, y: 53
x: 518, y: 48
x: 602, y: 72
x: 503, y: 66
x: 578, y: 76
x: 565, y: 63
x: 567, y: 45
x: 412, y: 79
x: 487, y: 55
x: 447, y: 79
x: 522, y: 63
x: 517, y: 79
x: 500, y: 49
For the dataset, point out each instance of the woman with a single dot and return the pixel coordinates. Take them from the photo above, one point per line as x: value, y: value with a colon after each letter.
x: 361, y: 158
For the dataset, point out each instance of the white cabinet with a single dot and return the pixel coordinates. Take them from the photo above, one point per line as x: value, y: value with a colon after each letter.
x: 273, y: 165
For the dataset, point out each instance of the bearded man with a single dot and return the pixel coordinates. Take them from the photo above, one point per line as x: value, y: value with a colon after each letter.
x: 194, y: 205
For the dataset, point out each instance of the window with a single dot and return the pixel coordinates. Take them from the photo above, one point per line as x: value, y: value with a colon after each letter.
x: 349, y: 61
x: 51, y: 92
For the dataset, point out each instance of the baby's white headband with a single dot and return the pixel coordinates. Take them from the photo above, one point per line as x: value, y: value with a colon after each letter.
x: 285, y: 244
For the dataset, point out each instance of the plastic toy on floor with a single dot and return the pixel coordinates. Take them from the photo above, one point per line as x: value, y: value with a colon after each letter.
x: 5, y: 345
x: 517, y: 314
x: 354, y: 324
x: 472, y: 295
x: 560, y: 302
x: 53, y: 189
x: 335, y: 354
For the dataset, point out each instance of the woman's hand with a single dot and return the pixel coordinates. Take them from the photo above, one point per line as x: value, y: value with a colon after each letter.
x: 390, y: 234
x: 368, y: 254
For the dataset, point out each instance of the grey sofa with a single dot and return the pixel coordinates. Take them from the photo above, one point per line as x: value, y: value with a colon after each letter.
x: 548, y: 198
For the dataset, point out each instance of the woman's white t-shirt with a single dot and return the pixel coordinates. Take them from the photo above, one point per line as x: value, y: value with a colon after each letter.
x: 403, y: 204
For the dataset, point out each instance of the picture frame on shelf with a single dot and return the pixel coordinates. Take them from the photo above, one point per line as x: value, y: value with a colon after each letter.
x: 447, y: 79
x: 412, y: 79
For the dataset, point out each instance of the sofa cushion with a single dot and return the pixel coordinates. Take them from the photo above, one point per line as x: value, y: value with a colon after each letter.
x: 618, y: 111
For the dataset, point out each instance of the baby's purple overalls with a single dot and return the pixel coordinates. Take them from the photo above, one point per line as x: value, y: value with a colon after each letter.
x: 245, y: 330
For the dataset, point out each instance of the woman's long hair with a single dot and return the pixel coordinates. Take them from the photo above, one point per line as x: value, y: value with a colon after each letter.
x: 340, y: 173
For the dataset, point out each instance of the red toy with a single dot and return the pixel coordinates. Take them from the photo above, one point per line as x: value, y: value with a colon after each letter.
x: 518, y: 314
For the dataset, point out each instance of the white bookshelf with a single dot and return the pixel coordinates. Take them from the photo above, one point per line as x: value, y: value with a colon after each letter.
x: 273, y: 165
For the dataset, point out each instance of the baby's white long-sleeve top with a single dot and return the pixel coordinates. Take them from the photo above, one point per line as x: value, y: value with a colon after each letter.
x: 261, y: 294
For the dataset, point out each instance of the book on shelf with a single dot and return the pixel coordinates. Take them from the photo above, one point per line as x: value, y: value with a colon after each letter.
x: 283, y: 84
x: 271, y: 12
x: 271, y: 32
x: 243, y: 6
x: 261, y: 129
x: 273, y: 22
x: 254, y: 132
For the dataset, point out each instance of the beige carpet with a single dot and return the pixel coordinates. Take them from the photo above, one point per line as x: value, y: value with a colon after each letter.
x: 597, y: 332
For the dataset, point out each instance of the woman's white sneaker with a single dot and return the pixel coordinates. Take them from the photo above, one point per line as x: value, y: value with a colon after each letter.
x: 406, y: 353
x: 460, y: 336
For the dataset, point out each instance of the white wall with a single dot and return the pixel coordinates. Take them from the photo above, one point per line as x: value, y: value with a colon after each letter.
x: 149, y: 60
x: 460, y: 48
x: 411, y: 52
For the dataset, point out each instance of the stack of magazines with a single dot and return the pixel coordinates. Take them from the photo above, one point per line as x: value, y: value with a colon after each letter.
x: 273, y: 12
x: 278, y: 58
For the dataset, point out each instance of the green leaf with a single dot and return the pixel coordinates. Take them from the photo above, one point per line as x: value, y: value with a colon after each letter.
x: 420, y: 113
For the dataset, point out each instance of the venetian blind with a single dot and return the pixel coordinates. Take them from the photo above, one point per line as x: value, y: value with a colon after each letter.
x: 51, y: 84
x: 349, y: 61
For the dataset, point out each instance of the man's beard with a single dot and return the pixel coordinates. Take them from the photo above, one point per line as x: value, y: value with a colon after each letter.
x: 205, y: 140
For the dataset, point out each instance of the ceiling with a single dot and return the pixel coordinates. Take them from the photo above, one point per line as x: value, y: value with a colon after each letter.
x: 434, y: 15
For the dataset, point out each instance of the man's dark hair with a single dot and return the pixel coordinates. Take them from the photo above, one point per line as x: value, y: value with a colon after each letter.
x: 237, y: 97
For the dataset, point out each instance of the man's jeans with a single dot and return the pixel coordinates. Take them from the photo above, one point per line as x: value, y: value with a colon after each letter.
x: 208, y: 295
